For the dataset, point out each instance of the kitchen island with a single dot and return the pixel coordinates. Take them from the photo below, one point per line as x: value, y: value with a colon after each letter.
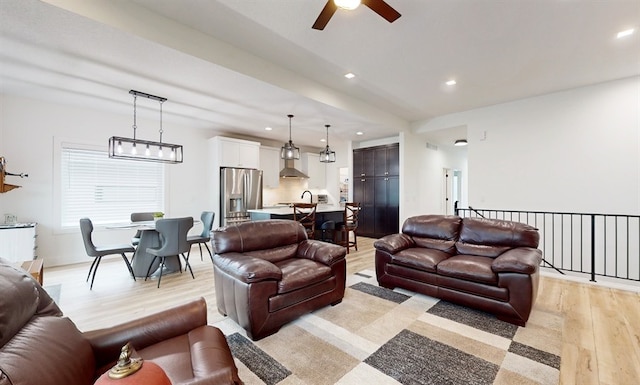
x: 324, y: 213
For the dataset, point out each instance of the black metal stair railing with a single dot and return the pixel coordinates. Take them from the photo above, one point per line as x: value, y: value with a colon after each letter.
x: 606, y: 245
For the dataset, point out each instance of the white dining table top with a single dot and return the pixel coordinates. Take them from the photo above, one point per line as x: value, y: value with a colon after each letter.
x: 142, y: 225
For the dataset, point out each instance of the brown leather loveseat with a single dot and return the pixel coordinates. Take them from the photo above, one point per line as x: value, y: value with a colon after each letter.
x: 38, y: 345
x: 488, y: 264
x: 267, y: 273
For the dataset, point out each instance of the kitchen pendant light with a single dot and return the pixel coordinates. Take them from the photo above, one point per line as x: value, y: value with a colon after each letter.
x: 326, y: 155
x: 289, y: 151
x: 127, y: 148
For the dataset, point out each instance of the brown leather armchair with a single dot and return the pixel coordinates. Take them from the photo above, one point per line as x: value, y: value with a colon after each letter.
x: 40, y: 346
x: 267, y: 273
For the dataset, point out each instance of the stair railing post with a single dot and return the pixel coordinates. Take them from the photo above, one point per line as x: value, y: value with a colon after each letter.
x: 593, y: 248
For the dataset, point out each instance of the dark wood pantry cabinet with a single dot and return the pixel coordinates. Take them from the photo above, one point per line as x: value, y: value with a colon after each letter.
x: 376, y: 186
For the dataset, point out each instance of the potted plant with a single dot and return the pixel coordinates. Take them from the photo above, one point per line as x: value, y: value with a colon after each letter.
x: 158, y: 215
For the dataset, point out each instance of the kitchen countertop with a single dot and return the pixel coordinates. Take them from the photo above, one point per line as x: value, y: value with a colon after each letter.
x: 284, y: 210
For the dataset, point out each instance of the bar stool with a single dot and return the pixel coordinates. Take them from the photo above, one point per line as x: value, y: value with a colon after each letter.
x: 305, y: 213
x: 328, y: 228
x: 349, y: 225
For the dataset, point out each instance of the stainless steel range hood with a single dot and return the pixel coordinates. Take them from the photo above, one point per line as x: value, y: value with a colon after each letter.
x: 291, y: 172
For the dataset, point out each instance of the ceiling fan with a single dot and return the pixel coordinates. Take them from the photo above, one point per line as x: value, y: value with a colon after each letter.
x: 378, y: 6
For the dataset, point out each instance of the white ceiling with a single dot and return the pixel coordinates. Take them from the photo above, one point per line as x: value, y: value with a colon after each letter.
x: 240, y: 65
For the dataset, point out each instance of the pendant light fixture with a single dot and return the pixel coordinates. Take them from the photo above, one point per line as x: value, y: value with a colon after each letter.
x: 326, y: 155
x: 137, y: 149
x: 289, y: 151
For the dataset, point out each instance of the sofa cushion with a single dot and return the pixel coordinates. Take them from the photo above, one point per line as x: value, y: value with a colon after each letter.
x: 48, y: 350
x: 257, y: 235
x: 301, y: 272
x: 420, y: 258
x: 492, y: 237
x: 445, y: 227
x: 469, y: 267
x: 275, y: 254
x: 21, y: 299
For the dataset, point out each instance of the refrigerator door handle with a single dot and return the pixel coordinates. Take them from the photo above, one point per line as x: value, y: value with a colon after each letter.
x: 245, y: 188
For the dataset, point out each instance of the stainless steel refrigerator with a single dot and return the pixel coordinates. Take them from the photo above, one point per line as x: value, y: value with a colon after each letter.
x: 240, y: 190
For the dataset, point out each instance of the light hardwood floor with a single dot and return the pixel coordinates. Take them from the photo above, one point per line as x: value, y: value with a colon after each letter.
x: 600, y: 339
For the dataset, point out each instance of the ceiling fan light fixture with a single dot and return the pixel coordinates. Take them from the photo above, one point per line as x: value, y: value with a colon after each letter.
x: 349, y: 5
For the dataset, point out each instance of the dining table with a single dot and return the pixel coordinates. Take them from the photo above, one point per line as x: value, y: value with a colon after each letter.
x: 149, y: 238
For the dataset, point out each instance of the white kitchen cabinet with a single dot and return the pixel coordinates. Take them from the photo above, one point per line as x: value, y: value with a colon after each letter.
x: 270, y: 166
x: 240, y: 153
x: 316, y: 170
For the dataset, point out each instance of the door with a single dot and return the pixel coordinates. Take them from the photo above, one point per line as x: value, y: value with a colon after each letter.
x: 253, y: 189
x: 363, y: 192
x: 232, y: 185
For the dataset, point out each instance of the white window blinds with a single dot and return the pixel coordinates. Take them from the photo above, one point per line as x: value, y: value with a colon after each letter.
x: 107, y: 190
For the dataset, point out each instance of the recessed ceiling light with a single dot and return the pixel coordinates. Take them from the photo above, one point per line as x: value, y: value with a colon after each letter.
x: 359, y: 133
x: 323, y: 140
x: 268, y: 128
x: 451, y: 83
x: 349, y: 75
x: 625, y: 33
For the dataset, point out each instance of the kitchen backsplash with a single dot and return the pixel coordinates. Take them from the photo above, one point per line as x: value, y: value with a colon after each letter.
x: 288, y: 191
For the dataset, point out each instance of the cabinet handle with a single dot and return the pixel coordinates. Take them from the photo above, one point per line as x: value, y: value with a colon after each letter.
x: 386, y: 173
x: 362, y: 174
x: 362, y: 180
x: 386, y: 178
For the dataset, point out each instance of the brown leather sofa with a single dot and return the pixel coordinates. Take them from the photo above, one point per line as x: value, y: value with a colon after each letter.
x: 38, y: 345
x: 267, y: 273
x: 487, y: 264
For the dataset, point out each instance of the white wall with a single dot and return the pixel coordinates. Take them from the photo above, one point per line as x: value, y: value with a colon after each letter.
x: 28, y: 128
x: 422, y: 177
x: 577, y: 150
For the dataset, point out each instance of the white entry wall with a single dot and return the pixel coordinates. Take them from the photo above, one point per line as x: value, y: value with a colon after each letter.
x: 576, y: 150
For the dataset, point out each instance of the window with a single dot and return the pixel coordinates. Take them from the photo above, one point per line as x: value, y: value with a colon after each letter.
x: 107, y: 190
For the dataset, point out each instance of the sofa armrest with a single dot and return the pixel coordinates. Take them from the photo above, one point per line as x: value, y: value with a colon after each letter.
x: 323, y: 252
x: 246, y: 268
x: 394, y: 242
x: 524, y: 260
x: 146, y: 331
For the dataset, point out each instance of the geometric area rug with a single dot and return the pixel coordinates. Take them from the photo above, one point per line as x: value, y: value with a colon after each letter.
x: 381, y: 336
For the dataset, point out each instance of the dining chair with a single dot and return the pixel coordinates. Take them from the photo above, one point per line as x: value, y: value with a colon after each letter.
x: 97, y: 252
x: 207, y: 223
x: 305, y: 213
x: 139, y: 217
x: 173, y: 243
x: 349, y: 225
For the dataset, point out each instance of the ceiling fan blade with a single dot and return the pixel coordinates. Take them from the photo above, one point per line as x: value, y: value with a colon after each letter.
x: 324, y: 17
x: 383, y: 9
